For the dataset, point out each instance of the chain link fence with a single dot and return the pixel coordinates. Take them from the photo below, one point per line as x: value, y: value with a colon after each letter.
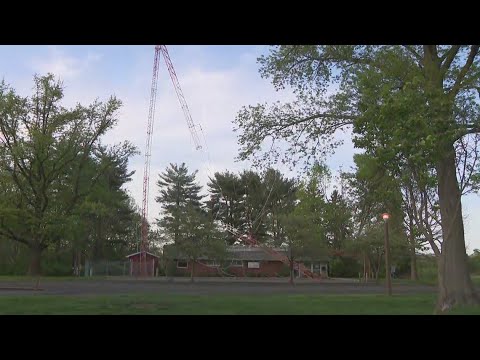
x: 117, y: 268
x: 107, y: 268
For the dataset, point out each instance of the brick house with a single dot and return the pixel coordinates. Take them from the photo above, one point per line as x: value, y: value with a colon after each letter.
x: 240, y: 261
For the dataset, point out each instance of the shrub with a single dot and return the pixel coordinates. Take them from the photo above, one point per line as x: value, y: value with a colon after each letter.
x: 171, y: 268
x: 474, y: 264
x: 284, y: 271
x: 344, y: 267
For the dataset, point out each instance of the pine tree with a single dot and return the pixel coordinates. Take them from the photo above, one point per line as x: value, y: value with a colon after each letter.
x: 226, y: 202
x: 177, y: 190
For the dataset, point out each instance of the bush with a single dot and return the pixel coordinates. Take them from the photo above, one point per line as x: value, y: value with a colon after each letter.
x: 57, y: 264
x: 344, y: 267
x: 229, y: 271
x: 474, y: 264
x: 284, y: 271
x: 427, y: 268
x: 171, y: 268
x: 161, y: 270
x: 402, y: 266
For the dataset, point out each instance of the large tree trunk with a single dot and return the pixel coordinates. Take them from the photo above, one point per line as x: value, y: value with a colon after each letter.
x: 413, y: 255
x: 455, y: 284
x: 35, y: 261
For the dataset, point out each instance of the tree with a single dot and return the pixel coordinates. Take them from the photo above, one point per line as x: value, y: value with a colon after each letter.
x: 198, y: 236
x: 255, y: 200
x: 373, y: 190
x: 404, y: 102
x: 301, y: 239
x: 226, y: 202
x: 281, y: 198
x: 312, y: 193
x: 43, y: 154
x: 177, y: 190
x: 106, y: 220
x: 420, y: 203
x: 337, y: 221
x: 252, y: 202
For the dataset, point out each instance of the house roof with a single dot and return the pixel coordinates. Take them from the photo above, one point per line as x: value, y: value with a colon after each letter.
x: 248, y: 253
x: 139, y: 252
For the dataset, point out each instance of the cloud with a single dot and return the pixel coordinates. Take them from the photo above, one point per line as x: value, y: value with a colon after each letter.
x: 63, y: 65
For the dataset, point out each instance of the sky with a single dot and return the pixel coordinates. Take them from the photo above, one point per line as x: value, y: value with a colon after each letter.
x: 216, y: 81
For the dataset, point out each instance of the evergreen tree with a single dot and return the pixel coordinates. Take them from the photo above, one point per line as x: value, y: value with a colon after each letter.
x: 226, y: 203
x: 177, y: 190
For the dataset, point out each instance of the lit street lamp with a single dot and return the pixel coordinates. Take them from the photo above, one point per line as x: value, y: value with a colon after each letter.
x: 385, y: 217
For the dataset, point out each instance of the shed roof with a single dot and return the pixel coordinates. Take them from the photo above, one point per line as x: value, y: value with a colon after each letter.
x: 139, y: 252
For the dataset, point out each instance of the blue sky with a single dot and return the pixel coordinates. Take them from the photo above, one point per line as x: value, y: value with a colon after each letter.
x: 216, y: 80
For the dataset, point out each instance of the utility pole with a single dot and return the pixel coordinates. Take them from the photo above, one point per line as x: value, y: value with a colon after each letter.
x: 388, y: 278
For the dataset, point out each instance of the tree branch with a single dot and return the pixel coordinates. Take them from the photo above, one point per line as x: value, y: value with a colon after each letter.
x: 471, y: 57
x: 5, y: 231
x: 412, y: 50
x: 317, y: 116
x: 449, y: 56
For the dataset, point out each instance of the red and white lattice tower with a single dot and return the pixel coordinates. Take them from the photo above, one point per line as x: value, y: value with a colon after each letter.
x: 148, y: 147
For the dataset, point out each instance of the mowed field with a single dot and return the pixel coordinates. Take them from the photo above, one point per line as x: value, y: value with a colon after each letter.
x: 213, y: 296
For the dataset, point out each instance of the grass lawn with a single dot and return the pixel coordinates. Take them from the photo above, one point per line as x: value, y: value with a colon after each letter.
x: 427, y: 281
x: 223, y: 304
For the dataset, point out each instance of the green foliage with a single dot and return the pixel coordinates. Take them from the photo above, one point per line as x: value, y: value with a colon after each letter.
x: 474, y: 262
x: 427, y: 268
x: 197, y: 235
x: 177, y: 191
x: 226, y: 200
x: 301, y: 238
x: 284, y: 271
x: 171, y: 268
x: 47, y: 154
x: 104, y: 226
x: 57, y: 264
x: 281, y: 199
x: 411, y: 108
x: 337, y: 219
x: 14, y: 257
x: 252, y: 202
x: 344, y: 267
x: 329, y: 217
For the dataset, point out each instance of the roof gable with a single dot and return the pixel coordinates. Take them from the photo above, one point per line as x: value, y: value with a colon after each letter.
x: 139, y: 252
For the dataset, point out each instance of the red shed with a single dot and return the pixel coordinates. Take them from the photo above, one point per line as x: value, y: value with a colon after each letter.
x: 151, y: 265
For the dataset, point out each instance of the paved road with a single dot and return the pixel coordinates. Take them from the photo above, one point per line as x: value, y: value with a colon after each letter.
x: 201, y: 287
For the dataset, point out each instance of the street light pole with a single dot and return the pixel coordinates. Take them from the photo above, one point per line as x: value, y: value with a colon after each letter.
x: 387, y: 256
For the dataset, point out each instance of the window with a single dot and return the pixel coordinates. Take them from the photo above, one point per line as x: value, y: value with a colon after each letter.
x: 253, y: 265
x: 211, y: 263
x: 238, y: 263
x: 182, y: 264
